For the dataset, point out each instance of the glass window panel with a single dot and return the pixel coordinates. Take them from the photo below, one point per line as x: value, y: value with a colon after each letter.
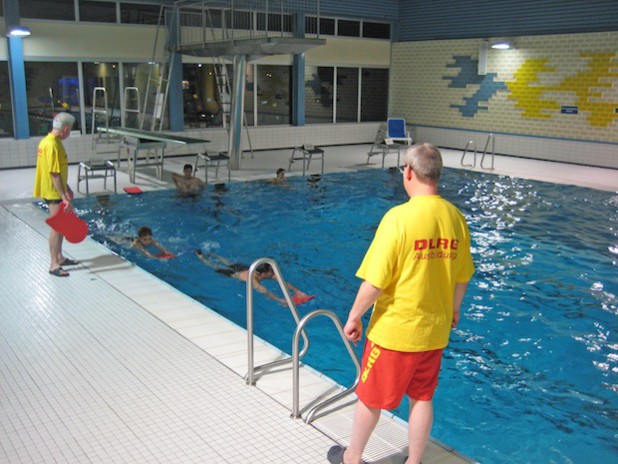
x: 213, y: 18
x: 276, y: 22
x: 273, y: 94
x: 319, y: 94
x: 374, y: 94
x: 137, y: 13
x: 348, y: 28
x: 136, y: 76
x: 6, y: 109
x: 347, y: 94
x: 327, y: 26
x: 242, y: 20
x: 102, y: 12
x: 200, y: 95
x: 376, y: 30
x: 311, y: 25
x: 1, y: 8
x: 105, y: 75
x: 46, y: 9
x: 51, y: 87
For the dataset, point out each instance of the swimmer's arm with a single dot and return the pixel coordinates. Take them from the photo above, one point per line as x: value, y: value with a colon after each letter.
x: 161, y: 248
x: 260, y: 288
x: 199, y: 254
x: 142, y: 250
x: 460, y: 292
x: 295, y: 289
x: 365, y: 298
x: 176, y: 178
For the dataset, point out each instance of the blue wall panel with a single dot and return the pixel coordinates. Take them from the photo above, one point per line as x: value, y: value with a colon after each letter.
x: 461, y: 19
x: 382, y: 10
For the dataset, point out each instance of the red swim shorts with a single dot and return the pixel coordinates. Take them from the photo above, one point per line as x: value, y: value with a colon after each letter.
x: 386, y: 375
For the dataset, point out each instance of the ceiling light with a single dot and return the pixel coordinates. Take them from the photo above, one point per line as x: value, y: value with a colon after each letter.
x: 18, y: 31
x: 502, y: 44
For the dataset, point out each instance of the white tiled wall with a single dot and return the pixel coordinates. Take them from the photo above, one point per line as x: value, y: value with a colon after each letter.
x: 566, y: 151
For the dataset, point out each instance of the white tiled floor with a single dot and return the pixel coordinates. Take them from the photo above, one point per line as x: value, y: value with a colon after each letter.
x: 113, y: 365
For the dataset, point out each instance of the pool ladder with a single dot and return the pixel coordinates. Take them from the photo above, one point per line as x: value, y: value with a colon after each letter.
x: 297, y: 354
x: 472, y: 145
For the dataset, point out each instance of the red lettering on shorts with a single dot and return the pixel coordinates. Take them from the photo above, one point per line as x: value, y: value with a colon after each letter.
x: 371, y: 359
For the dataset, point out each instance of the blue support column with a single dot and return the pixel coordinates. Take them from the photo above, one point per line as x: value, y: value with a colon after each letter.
x: 17, y: 73
x: 298, y: 90
x: 176, y: 103
x: 17, y: 79
x: 298, y: 76
x: 174, y: 96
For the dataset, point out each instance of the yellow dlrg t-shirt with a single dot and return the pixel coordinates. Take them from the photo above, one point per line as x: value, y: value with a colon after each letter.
x: 51, y: 157
x: 420, y: 251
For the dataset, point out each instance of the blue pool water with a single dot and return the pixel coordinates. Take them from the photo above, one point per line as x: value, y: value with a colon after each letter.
x: 531, y: 372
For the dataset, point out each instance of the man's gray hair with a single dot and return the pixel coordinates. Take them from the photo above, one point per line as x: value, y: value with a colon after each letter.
x: 426, y: 162
x: 62, y: 120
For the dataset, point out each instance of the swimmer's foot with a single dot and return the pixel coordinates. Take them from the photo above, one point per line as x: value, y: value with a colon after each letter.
x: 69, y: 262
x: 59, y: 272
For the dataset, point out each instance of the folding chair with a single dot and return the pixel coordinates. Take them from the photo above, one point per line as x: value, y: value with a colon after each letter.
x: 99, y: 166
x: 308, y: 152
x: 391, y: 137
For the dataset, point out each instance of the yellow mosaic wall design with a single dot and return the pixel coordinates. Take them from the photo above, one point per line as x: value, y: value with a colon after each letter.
x: 543, y: 75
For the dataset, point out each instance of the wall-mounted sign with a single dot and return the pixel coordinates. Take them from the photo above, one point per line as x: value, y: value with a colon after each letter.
x: 569, y: 110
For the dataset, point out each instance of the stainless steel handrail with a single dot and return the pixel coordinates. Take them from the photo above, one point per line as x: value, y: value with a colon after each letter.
x: 465, y: 152
x: 250, y: 354
x: 491, y: 138
x: 296, y: 356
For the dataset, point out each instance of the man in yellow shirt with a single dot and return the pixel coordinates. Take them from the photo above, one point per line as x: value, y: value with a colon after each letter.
x: 416, y: 272
x: 50, y: 184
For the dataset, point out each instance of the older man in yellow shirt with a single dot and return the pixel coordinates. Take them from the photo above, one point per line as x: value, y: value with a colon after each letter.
x: 415, y: 274
x: 50, y: 183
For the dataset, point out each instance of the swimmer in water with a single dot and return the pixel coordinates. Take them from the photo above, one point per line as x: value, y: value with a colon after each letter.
x: 187, y: 183
x: 241, y: 272
x: 145, y: 240
x: 279, y: 177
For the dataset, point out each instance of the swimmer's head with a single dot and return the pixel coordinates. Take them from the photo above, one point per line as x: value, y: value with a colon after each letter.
x: 144, y: 235
x: 264, y: 270
x: 187, y: 170
x: 143, y: 231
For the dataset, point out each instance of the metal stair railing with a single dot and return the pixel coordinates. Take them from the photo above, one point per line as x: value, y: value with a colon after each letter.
x: 465, y: 152
x: 296, y: 356
x: 252, y: 369
x: 490, y: 138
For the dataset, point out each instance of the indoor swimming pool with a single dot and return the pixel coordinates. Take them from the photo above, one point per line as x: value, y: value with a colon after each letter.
x: 531, y: 371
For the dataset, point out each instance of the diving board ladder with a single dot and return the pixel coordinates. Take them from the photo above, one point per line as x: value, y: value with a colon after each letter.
x: 158, y: 83
x: 225, y: 99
